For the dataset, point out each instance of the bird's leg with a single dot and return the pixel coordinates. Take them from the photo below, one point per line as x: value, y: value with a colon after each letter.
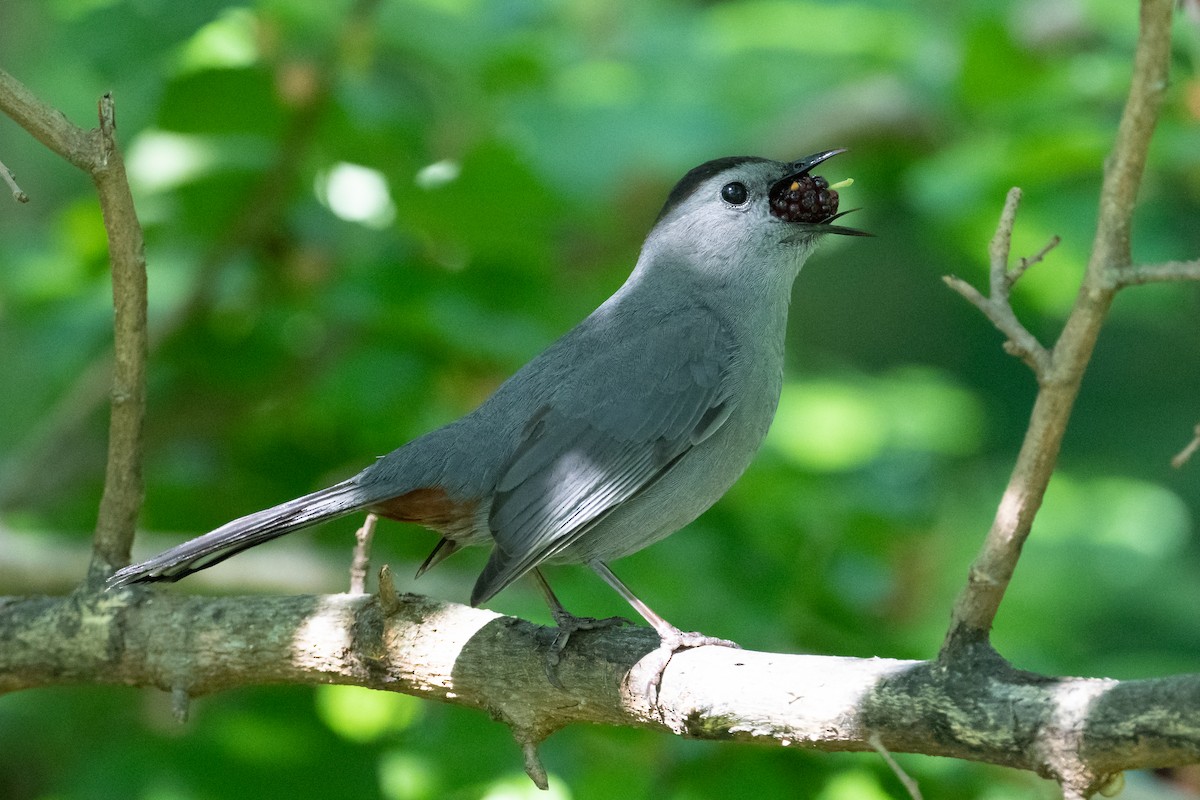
x: 670, y: 635
x: 672, y: 640
x: 567, y: 624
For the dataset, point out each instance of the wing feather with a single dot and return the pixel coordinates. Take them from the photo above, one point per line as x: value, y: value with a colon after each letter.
x: 630, y: 414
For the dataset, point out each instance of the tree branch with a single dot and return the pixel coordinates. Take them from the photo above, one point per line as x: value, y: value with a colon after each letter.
x: 1159, y: 273
x: 997, y: 306
x: 990, y: 573
x: 123, y: 487
x: 1111, y: 249
x: 47, y: 124
x: 97, y: 153
x: 1189, y: 450
x: 1075, y: 730
x: 360, y: 565
x: 17, y: 192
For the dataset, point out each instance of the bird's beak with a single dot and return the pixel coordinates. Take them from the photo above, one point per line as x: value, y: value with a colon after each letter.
x: 804, y: 165
x: 810, y: 220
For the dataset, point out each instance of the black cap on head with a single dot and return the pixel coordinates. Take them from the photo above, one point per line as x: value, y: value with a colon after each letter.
x: 698, y: 175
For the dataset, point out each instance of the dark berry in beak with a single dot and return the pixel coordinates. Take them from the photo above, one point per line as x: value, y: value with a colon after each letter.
x: 803, y: 198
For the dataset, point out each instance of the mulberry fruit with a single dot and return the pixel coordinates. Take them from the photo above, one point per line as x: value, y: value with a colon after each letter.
x: 806, y: 198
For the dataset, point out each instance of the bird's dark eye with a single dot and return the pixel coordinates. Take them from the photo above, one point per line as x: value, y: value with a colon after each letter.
x: 734, y: 193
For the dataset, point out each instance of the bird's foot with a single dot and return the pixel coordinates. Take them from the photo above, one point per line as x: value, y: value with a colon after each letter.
x: 645, y: 678
x: 676, y: 640
x: 569, y: 624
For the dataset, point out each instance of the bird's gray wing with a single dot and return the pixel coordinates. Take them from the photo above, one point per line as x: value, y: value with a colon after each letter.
x: 619, y: 423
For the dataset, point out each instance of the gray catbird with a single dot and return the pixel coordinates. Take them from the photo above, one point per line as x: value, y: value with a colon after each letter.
x: 621, y: 432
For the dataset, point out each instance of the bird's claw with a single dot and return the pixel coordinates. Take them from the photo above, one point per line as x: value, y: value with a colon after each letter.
x: 645, y: 678
x: 677, y: 640
x: 569, y: 624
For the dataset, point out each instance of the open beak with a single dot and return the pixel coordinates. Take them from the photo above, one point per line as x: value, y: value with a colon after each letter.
x: 804, y: 165
x: 806, y: 201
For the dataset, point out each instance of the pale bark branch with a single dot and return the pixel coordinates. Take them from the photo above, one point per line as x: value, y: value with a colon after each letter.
x: 17, y: 192
x: 1026, y: 263
x: 910, y: 784
x: 990, y: 573
x: 1159, y: 273
x: 1189, y: 450
x: 1079, y: 731
x: 360, y: 565
x: 997, y: 306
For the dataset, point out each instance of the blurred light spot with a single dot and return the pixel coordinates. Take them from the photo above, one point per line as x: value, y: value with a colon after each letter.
x: 1048, y: 23
x: 363, y: 715
x: 841, y: 425
x: 1142, y: 518
x: 357, y: 194
x: 405, y: 777
x: 929, y: 413
x: 298, y: 83
x: 158, y: 160
x: 827, y: 426
x: 438, y: 174
x: 1095, y: 76
x: 853, y: 785
x: 229, y: 41
x: 1191, y: 93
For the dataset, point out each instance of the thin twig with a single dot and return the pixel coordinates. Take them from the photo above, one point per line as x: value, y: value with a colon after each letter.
x: 997, y: 307
x: 1021, y: 342
x: 361, y: 563
x: 914, y: 791
x: 46, y: 123
x: 123, y: 486
x: 1184, y: 455
x: 11, y: 180
x: 992, y: 570
x: 1111, y: 249
x: 1001, y: 246
x: 1159, y: 273
x: 1016, y: 272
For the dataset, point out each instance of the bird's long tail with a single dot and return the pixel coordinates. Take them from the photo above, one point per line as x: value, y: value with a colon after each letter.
x: 246, y: 532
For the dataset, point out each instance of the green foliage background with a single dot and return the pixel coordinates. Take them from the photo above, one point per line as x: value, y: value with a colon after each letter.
x: 357, y: 226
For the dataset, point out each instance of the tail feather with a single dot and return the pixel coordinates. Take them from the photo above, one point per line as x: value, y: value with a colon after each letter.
x: 246, y: 532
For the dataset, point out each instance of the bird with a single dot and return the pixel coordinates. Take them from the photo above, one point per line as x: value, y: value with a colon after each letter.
x: 622, y: 431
